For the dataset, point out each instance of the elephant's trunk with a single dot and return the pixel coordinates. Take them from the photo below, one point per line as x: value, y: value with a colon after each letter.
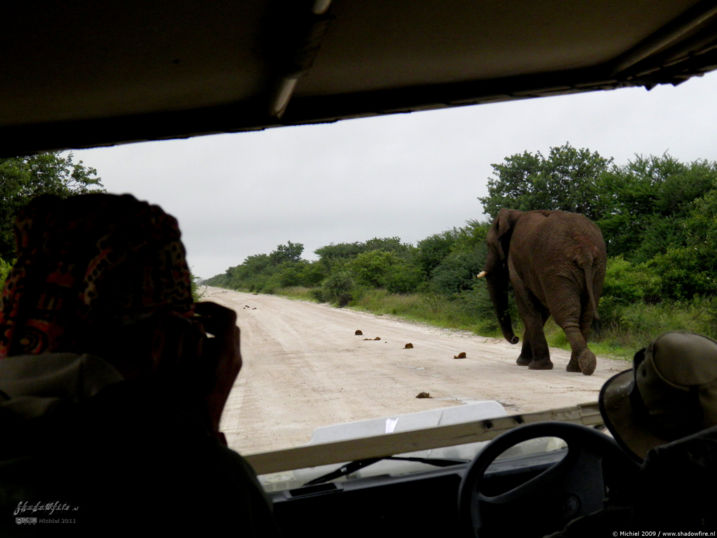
x: 498, y: 290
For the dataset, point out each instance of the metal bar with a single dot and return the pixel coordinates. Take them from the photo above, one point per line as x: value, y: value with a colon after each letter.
x: 665, y: 37
x: 587, y: 414
x: 302, y: 57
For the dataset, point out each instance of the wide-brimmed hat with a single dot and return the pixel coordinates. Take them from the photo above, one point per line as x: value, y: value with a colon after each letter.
x: 670, y: 392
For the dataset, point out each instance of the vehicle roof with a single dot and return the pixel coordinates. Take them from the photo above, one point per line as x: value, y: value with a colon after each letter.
x: 87, y: 73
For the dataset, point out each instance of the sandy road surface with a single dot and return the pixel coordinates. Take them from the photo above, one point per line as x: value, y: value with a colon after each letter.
x: 304, y: 367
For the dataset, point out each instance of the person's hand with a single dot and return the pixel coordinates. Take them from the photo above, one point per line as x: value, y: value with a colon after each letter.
x: 221, y: 349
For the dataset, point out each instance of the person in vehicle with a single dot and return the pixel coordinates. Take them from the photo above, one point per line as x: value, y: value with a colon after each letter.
x: 113, y: 380
x: 663, y: 413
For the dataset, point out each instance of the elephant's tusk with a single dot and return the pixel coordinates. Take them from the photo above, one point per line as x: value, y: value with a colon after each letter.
x: 481, y: 274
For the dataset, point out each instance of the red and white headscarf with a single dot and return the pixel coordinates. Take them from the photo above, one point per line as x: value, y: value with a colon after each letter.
x: 87, y: 261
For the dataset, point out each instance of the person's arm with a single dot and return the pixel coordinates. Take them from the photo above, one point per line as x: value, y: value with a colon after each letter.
x: 222, y: 351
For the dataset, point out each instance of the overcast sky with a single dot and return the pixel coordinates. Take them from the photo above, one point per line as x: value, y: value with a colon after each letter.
x: 407, y: 175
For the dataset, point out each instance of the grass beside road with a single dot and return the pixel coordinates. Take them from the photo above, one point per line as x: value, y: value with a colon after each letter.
x: 624, y: 329
x: 441, y: 312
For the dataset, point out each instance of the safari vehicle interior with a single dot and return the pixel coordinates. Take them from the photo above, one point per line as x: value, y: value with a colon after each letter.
x: 89, y: 74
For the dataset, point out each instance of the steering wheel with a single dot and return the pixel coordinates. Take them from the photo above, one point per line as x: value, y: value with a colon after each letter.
x: 574, y: 486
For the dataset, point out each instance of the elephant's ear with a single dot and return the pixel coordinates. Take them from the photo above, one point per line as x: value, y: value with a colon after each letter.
x: 504, y: 223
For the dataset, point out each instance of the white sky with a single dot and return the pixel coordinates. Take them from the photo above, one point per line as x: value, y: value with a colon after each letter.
x: 408, y: 175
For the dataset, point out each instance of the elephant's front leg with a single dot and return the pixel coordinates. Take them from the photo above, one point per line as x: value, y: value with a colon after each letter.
x: 535, y: 352
x: 526, y: 354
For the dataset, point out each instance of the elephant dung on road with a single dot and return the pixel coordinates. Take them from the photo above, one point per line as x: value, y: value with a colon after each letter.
x: 555, y: 261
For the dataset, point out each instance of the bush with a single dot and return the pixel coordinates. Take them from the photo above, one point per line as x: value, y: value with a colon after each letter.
x: 684, y: 272
x: 317, y: 294
x: 477, y: 302
x: 404, y: 278
x: 298, y: 292
x: 432, y: 250
x: 638, y: 323
x: 372, y: 268
x: 195, y: 283
x: 382, y: 269
x: 457, y: 272
x: 289, y: 274
x: 338, y: 288
x: 626, y: 283
x: 312, y: 274
x: 4, y: 270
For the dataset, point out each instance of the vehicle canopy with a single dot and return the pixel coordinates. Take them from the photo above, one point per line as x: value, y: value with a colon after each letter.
x: 111, y: 72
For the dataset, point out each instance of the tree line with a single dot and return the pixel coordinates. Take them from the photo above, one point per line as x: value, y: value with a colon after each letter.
x: 658, y: 217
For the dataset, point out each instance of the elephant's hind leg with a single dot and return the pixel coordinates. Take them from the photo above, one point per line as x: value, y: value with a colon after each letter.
x: 584, y: 362
x: 587, y: 362
x: 581, y: 359
x: 566, y: 308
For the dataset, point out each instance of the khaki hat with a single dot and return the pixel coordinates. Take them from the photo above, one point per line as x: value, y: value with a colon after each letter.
x: 670, y: 392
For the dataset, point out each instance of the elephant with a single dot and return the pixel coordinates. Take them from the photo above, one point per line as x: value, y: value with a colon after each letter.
x: 555, y: 262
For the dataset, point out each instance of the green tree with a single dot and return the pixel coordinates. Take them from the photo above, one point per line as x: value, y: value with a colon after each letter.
x: 567, y: 179
x: 471, y: 236
x: 404, y: 277
x: 312, y: 273
x: 457, y: 271
x: 371, y: 268
x: 451, y: 259
x: 385, y: 269
x: 688, y: 267
x: 433, y: 249
x: 648, y: 203
x: 331, y: 255
x: 291, y: 252
x: 334, y: 257
x: 23, y: 178
x: 627, y: 283
x: 386, y: 244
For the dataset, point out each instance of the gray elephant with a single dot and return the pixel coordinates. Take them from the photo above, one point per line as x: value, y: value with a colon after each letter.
x: 555, y: 261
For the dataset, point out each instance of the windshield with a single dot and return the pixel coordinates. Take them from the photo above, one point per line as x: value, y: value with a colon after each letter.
x: 376, y: 229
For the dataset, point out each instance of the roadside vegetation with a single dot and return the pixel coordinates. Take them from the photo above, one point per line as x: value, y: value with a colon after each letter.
x: 658, y: 217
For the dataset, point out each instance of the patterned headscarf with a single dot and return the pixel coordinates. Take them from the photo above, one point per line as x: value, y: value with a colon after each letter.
x: 89, y: 261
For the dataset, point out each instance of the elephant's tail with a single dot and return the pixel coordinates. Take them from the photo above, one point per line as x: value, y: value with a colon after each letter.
x: 589, y: 276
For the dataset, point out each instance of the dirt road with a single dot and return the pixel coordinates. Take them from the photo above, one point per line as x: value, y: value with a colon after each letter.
x: 304, y: 367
